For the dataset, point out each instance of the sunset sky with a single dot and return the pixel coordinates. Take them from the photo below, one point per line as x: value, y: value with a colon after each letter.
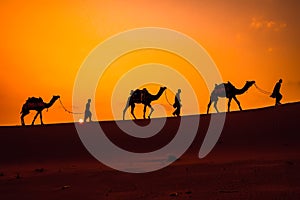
x: 44, y: 44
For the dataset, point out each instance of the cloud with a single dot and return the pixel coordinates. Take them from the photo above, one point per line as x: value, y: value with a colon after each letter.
x: 263, y: 24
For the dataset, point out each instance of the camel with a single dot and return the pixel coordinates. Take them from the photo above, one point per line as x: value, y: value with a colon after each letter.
x: 37, y: 104
x: 229, y: 91
x: 144, y: 97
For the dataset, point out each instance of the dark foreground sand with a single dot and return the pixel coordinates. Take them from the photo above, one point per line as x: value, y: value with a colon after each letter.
x: 256, y: 157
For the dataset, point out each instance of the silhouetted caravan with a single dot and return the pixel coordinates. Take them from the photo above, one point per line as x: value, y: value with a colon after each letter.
x: 229, y: 91
x: 37, y: 104
x: 276, y: 93
x: 144, y: 97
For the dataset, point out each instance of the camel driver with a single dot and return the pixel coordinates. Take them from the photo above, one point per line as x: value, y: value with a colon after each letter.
x: 276, y: 93
x: 177, y: 103
x: 87, y: 112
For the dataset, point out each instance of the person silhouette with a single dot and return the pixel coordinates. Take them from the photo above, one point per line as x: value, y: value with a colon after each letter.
x: 276, y: 93
x: 87, y: 112
x: 177, y: 104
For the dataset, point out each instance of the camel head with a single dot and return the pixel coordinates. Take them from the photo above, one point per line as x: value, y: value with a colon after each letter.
x: 56, y: 97
x: 246, y: 86
x: 163, y: 88
x: 250, y: 83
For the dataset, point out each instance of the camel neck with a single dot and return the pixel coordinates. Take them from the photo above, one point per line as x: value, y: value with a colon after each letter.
x: 47, y: 105
x: 155, y: 97
x: 242, y: 90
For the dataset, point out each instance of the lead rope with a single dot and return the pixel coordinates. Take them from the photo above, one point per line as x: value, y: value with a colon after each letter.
x: 167, y: 98
x: 261, y: 90
x: 67, y: 109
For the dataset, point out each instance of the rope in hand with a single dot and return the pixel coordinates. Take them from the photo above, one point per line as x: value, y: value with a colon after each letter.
x: 261, y: 90
x: 167, y: 98
x: 67, y: 109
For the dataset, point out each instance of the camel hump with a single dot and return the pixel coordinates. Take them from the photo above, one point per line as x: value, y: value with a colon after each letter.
x: 229, y: 86
x: 140, y: 95
x: 34, y: 100
x: 220, y: 86
x: 136, y: 92
x: 136, y: 95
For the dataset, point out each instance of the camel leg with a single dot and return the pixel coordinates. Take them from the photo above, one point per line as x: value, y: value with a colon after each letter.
x: 238, y: 103
x: 208, y: 106
x: 229, y: 101
x: 152, y: 109
x: 35, y: 117
x: 124, y: 111
x: 215, y: 105
x: 145, y: 106
x: 22, y: 118
x: 41, y: 118
x: 132, y: 110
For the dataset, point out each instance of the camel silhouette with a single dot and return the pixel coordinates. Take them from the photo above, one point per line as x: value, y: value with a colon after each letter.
x: 229, y: 91
x: 37, y: 104
x: 144, y: 97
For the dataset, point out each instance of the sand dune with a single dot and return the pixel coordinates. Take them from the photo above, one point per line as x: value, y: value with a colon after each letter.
x: 256, y: 157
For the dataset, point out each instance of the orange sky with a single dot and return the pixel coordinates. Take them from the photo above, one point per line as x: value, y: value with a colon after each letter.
x: 44, y: 44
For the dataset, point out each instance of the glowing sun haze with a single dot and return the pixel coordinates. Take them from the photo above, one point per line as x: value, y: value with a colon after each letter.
x: 43, y: 44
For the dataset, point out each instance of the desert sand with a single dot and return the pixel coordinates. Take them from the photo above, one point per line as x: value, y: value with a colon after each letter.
x: 256, y: 157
